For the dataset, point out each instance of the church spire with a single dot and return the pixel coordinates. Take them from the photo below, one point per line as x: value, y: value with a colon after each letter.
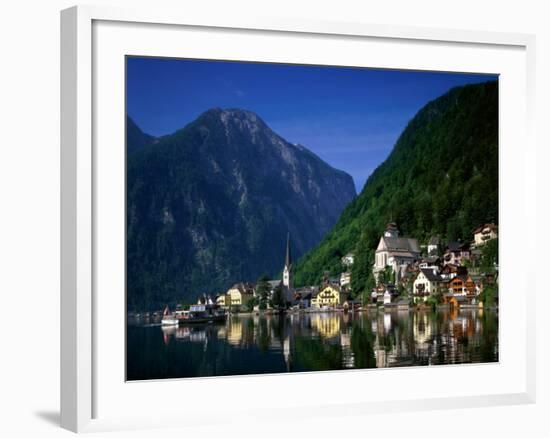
x: 287, y: 271
x: 288, y: 259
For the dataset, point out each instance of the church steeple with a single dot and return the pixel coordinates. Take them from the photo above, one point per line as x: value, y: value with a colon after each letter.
x: 287, y: 271
x: 288, y: 258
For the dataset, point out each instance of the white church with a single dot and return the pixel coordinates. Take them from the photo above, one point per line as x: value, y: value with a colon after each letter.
x: 395, y: 252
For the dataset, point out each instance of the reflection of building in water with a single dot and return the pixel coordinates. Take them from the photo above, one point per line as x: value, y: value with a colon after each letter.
x: 374, y: 325
x: 348, y: 359
x: 334, y: 340
x: 326, y: 324
x: 422, y: 332
x: 380, y: 340
x: 450, y: 345
x: 387, y: 322
x: 286, y: 351
x: 235, y: 331
x: 380, y: 354
x: 393, y: 346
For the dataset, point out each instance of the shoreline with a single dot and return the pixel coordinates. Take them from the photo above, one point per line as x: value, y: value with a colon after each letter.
x: 369, y: 308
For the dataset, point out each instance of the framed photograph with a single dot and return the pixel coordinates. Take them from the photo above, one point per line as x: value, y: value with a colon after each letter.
x: 323, y: 217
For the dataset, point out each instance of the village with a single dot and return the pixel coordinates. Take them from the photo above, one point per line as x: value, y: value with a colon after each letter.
x: 407, y: 275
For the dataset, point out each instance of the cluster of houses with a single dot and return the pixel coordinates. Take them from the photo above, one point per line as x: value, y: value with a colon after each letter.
x: 400, y: 265
x: 333, y: 293
x: 448, y: 272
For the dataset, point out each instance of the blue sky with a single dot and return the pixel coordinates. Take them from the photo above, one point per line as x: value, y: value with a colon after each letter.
x: 350, y: 117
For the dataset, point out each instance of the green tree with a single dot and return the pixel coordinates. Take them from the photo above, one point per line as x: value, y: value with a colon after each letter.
x: 489, y: 256
x: 278, y: 300
x: 362, y: 279
x: 489, y: 295
x: 387, y: 276
x: 251, y: 303
x: 262, y: 290
x: 402, y: 290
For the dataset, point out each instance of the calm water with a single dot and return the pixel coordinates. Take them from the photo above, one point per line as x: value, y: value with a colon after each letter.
x: 312, y: 342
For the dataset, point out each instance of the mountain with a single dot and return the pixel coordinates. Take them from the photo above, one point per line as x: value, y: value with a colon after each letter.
x: 441, y: 178
x: 211, y: 205
x: 136, y: 138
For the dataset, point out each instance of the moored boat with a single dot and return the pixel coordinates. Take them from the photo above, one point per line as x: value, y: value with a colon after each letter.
x: 203, y: 313
x: 168, y: 318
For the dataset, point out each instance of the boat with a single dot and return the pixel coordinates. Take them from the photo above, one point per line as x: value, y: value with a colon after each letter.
x: 203, y: 314
x: 168, y: 318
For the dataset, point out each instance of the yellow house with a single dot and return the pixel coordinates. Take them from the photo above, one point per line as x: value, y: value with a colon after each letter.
x: 239, y: 294
x: 330, y: 295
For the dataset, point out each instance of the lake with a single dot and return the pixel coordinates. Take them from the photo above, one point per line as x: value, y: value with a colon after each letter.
x: 255, y: 344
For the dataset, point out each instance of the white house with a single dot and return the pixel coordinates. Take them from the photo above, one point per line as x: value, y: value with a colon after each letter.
x: 426, y: 283
x: 485, y: 233
x: 395, y: 252
x: 345, y: 278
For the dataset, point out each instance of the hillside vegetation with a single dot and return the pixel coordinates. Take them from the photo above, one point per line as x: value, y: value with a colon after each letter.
x: 441, y: 178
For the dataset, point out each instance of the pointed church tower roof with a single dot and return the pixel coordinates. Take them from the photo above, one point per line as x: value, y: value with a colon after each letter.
x: 288, y: 258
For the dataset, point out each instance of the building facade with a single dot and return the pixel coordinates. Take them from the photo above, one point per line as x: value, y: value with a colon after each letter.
x: 485, y: 233
x: 395, y: 252
x: 456, y: 253
x: 329, y: 295
x: 239, y: 294
x: 426, y: 284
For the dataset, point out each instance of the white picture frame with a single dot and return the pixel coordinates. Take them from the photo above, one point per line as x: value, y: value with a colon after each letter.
x: 83, y: 370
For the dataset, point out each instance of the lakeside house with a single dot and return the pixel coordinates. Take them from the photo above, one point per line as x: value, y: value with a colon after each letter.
x: 395, y: 252
x: 427, y: 282
x: 330, y: 295
x: 240, y: 294
x: 384, y: 293
x: 462, y: 285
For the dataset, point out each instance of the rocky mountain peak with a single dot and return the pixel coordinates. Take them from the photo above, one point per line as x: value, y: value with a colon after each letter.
x: 212, y: 204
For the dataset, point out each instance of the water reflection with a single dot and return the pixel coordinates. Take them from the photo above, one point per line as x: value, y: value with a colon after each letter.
x: 254, y: 344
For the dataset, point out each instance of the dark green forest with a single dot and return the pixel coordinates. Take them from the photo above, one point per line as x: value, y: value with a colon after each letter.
x: 441, y: 178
